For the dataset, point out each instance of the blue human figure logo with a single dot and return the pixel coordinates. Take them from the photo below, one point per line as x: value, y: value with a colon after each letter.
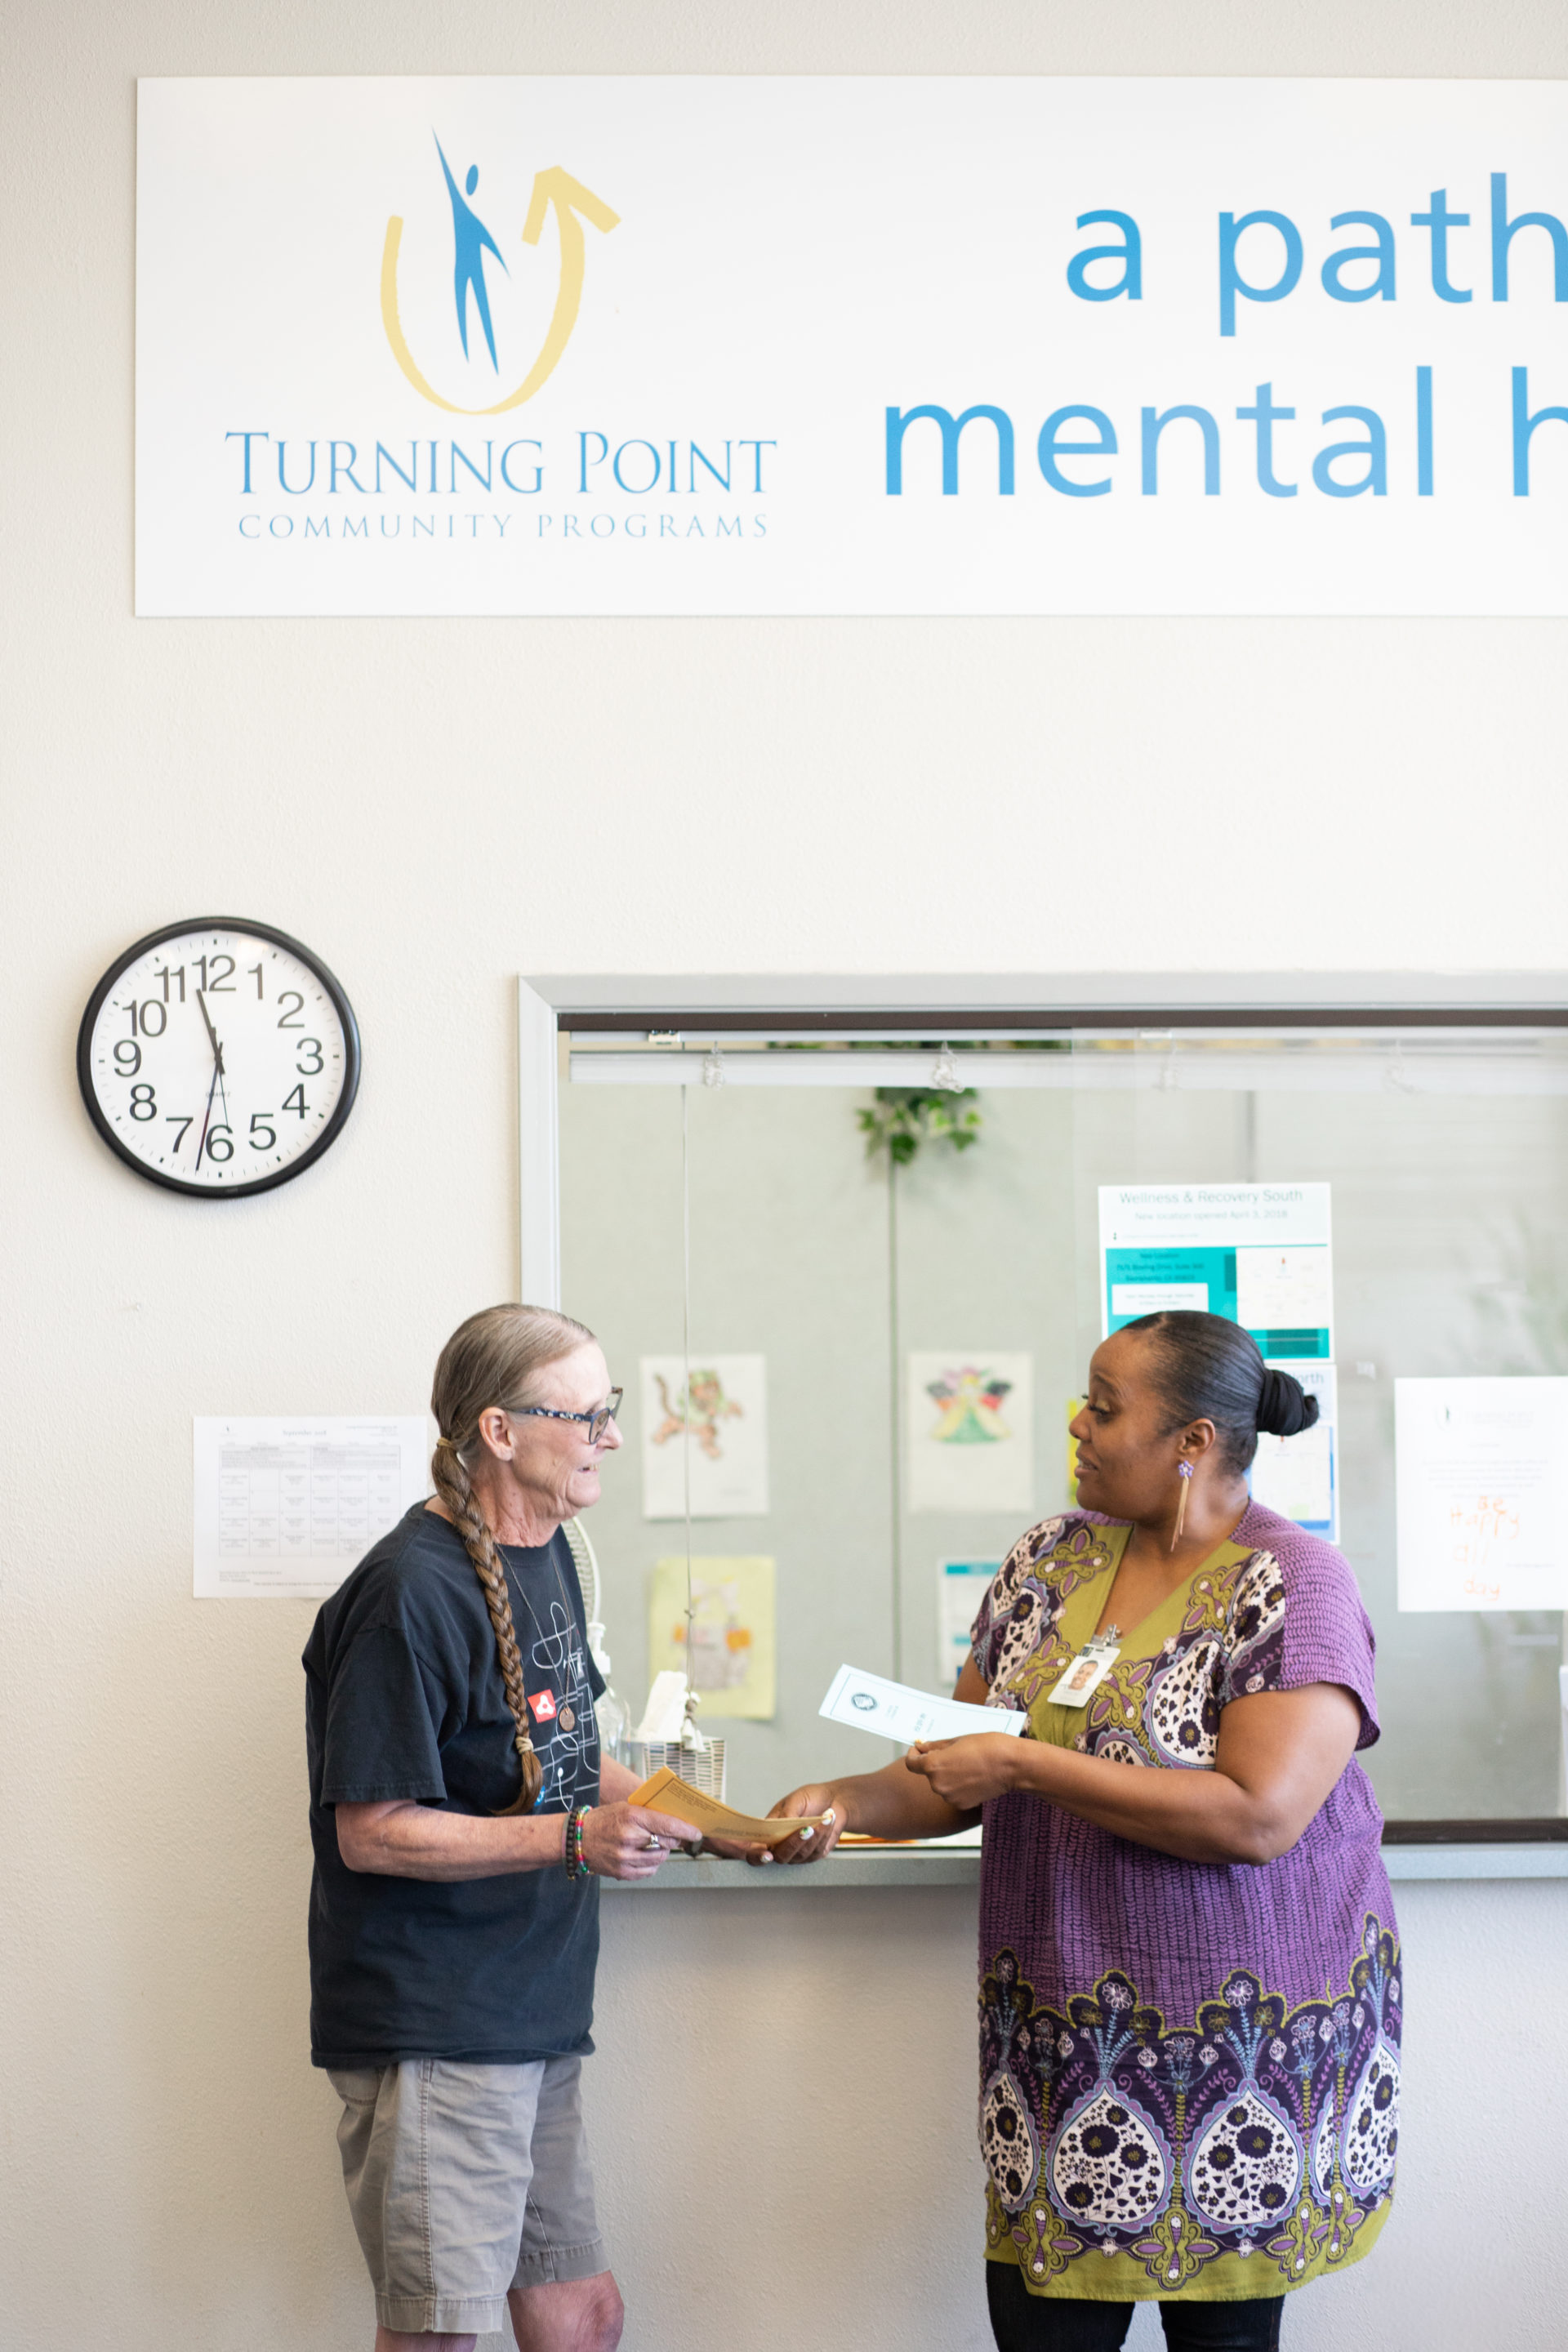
x: 471, y: 238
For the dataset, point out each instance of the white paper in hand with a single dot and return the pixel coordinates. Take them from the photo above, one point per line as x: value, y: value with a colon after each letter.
x: 894, y: 1711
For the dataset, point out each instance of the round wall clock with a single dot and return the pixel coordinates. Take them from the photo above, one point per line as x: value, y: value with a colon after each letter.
x: 218, y: 1057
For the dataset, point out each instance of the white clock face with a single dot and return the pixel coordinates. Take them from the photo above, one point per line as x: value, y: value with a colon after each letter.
x: 219, y: 1060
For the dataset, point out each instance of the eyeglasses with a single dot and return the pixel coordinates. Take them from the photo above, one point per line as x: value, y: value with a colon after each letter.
x: 596, y: 1422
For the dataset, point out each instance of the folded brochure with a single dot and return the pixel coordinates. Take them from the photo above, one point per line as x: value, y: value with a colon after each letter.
x: 871, y: 1703
x: 666, y: 1793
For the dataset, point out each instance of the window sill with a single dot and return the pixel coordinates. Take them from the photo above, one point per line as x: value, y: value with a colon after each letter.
x: 930, y: 1865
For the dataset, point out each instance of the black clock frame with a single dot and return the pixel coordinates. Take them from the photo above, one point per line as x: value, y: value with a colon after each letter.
x: 351, y: 1056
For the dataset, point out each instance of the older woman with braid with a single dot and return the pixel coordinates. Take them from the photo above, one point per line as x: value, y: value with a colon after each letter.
x: 461, y: 1814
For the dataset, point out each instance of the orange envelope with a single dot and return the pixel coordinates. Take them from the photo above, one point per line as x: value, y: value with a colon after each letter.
x: 666, y: 1793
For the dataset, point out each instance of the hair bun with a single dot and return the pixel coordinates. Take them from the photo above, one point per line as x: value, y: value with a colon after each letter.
x: 1284, y: 1408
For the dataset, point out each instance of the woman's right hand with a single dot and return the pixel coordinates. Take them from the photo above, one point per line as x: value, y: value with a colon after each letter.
x: 627, y: 1840
x: 807, y: 1845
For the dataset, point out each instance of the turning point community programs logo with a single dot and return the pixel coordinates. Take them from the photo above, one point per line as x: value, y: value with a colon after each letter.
x: 472, y: 242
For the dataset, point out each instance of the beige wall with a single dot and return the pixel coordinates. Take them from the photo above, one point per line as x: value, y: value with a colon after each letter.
x: 436, y: 805
x: 839, y: 2148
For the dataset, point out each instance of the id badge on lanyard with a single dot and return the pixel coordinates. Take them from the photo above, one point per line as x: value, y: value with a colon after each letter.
x: 1084, y: 1676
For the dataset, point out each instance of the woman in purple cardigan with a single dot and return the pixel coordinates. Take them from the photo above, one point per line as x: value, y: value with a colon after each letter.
x: 1190, y: 1986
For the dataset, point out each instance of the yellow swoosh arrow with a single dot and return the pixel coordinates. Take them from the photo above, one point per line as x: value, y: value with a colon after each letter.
x: 573, y: 204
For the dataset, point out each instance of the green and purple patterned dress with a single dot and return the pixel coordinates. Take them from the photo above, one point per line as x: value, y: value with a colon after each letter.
x: 1189, y: 2072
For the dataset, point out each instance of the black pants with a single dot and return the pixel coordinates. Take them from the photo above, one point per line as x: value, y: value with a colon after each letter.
x: 1022, y: 2322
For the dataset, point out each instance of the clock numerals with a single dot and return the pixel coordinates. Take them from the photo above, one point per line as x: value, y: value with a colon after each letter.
x: 294, y: 1005
x: 141, y: 1022
x: 311, y: 1045
x: 172, y: 1118
x: 143, y: 1102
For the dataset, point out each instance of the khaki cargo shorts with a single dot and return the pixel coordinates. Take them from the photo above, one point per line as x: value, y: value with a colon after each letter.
x: 466, y: 2181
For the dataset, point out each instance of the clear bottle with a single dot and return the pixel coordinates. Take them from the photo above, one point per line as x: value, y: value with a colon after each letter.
x: 611, y: 1712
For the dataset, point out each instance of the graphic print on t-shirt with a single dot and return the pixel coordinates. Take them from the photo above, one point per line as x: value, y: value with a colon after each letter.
x: 559, y: 1654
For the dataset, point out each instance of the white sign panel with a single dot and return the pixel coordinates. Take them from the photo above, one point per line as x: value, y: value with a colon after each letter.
x: 285, y: 1507
x: 960, y: 1586
x: 1300, y: 1476
x: 777, y: 346
x: 1481, y: 1482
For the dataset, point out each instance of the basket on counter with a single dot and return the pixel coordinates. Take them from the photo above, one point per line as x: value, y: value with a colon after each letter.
x: 700, y: 1768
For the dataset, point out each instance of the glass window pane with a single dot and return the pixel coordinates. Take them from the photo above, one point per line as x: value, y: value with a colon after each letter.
x: 859, y: 1274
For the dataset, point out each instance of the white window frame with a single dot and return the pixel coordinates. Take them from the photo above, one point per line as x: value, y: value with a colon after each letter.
x: 696, y: 1010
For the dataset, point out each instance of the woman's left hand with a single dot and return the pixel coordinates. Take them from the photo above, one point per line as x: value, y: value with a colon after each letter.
x: 966, y: 1772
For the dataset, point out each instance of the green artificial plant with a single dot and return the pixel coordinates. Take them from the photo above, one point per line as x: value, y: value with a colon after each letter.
x: 903, y: 1117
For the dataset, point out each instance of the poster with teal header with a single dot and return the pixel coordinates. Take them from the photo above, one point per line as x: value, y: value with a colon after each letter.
x: 1259, y: 1255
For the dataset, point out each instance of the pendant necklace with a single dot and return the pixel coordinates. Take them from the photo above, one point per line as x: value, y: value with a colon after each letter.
x: 566, y: 1713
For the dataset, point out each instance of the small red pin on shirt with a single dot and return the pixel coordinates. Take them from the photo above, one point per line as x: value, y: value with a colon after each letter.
x: 541, y: 1705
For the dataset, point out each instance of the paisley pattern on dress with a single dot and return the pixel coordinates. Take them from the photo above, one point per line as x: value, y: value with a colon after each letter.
x: 1107, y: 2166
x: 1247, y: 2166
x: 1183, y: 1712
x: 1164, y: 1711
x: 1249, y: 2131
x: 1023, y: 1608
x: 1008, y: 2141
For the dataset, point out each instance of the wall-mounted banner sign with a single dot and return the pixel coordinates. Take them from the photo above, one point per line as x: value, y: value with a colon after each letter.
x: 720, y: 346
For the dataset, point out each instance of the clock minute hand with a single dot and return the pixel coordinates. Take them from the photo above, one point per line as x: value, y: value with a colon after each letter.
x: 219, y: 1073
x: 211, y: 1032
x: 206, y: 1115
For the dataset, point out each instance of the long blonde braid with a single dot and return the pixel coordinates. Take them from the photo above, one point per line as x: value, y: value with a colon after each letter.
x: 493, y: 1360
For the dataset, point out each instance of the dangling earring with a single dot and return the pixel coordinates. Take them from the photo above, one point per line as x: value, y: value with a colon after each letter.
x: 1185, y: 1473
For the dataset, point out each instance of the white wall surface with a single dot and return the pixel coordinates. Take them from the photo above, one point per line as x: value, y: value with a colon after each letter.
x: 851, y: 2196
x: 436, y: 806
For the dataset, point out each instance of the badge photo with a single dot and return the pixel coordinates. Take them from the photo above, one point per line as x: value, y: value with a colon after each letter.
x: 1083, y: 1678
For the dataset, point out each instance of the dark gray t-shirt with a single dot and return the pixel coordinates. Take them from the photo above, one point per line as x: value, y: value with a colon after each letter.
x: 404, y: 1698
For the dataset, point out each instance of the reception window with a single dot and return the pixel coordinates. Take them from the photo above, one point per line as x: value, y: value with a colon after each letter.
x: 851, y: 1279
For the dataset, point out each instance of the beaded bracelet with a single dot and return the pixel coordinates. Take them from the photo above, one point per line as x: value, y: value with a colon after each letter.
x: 576, y: 1865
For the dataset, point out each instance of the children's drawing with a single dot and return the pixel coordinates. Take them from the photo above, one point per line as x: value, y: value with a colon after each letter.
x: 969, y: 1429
x: 711, y: 1424
x: 969, y: 1406
x: 699, y: 1404
x: 731, y: 1661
